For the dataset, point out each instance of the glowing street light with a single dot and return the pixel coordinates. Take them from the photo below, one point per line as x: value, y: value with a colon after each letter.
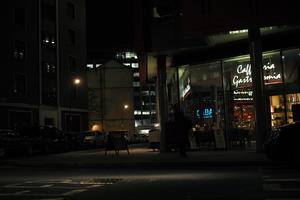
x: 77, y: 81
x: 125, y: 108
x: 73, y: 90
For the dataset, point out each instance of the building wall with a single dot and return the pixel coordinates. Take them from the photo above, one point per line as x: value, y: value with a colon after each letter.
x: 19, y: 68
x: 26, y: 85
x: 207, y: 17
x: 110, y: 88
x: 72, y: 62
x: 75, y: 50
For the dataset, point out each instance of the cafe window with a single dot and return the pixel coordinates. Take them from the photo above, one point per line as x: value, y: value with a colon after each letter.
x: 201, y: 94
x: 239, y: 92
x: 281, y: 86
x: 291, y: 63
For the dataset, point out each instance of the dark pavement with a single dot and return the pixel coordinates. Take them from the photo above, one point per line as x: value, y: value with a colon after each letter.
x: 142, y: 157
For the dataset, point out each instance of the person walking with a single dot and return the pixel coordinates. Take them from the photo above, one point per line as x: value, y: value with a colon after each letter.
x: 182, y: 126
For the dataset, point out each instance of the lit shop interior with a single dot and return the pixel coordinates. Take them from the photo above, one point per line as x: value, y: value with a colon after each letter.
x: 218, y: 96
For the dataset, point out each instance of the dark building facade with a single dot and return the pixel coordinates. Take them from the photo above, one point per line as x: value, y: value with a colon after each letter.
x: 45, y: 52
x: 214, y: 45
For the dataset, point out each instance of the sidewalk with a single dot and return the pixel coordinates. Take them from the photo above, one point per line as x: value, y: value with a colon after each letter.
x: 140, y: 157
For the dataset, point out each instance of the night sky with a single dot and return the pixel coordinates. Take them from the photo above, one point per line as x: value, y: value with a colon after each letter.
x: 109, y: 24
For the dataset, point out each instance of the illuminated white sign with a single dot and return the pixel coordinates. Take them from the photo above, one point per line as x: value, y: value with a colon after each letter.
x: 243, y: 76
x: 243, y: 95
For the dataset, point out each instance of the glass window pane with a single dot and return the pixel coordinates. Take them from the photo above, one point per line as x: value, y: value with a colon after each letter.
x: 201, y: 96
x: 291, y: 63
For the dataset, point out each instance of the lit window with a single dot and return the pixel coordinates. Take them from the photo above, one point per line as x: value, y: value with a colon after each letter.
x: 136, y: 84
x: 21, y: 55
x: 52, y: 41
x: 48, y: 39
x: 90, y: 66
x: 49, y: 68
x: 238, y: 31
x: 152, y: 93
x: 19, y: 50
x: 137, y: 123
x: 146, y: 113
x: 136, y: 74
x: 130, y: 55
x: 135, y: 65
x: 120, y: 55
x: 126, y: 64
x: 19, y: 86
x: 98, y: 65
x: 137, y: 112
x: 145, y: 93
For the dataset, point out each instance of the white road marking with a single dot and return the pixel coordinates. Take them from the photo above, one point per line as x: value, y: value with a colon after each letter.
x: 282, y: 180
x: 46, y: 186
x: 71, y: 185
x: 35, y: 187
x: 15, y: 193
x: 22, y: 192
x: 276, y: 187
x: 72, y: 192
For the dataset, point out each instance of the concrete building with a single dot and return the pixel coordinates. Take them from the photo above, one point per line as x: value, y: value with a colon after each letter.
x: 111, y: 106
x: 45, y: 52
x: 144, y: 95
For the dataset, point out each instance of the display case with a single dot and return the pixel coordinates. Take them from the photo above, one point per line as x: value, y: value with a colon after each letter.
x: 290, y: 100
x: 244, y: 117
x: 277, y: 110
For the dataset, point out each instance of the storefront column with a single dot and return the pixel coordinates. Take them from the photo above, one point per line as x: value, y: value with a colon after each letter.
x: 258, y: 86
x: 161, y: 81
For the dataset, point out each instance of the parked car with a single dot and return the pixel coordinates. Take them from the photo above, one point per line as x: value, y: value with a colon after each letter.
x: 75, y: 140
x: 93, y: 138
x: 11, y: 142
x: 46, y: 139
x: 283, y: 143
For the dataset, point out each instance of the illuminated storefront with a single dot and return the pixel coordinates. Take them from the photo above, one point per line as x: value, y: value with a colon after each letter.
x: 220, y: 94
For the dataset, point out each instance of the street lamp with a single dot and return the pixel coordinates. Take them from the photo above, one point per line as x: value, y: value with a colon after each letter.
x: 123, y: 110
x: 75, y: 83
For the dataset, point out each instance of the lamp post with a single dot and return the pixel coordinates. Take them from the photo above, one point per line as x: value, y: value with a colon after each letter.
x: 74, y: 84
x: 125, y: 107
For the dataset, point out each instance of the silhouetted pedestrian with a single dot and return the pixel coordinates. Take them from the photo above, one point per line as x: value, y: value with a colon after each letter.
x: 182, y: 125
